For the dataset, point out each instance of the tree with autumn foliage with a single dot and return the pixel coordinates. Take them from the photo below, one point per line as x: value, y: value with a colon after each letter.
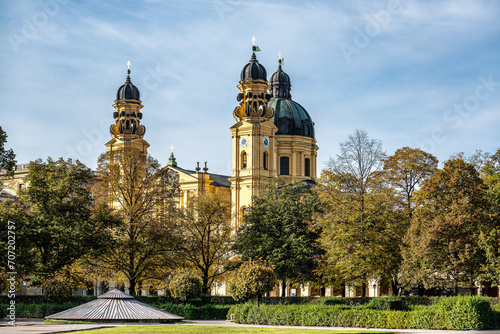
x: 204, y: 236
x: 405, y: 172
x: 442, y: 241
x: 143, y: 197
x: 360, y: 229
x: 490, y: 240
x: 251, y: 280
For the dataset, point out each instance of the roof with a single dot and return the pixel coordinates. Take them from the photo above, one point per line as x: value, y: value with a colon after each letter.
x: 218, y: 179
x: 291, y: 118
x: 115, y: 305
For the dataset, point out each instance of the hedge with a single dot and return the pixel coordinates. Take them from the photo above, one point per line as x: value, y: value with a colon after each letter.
x: 457, y: 313
x: 36, y: 310
x: 188, y: 311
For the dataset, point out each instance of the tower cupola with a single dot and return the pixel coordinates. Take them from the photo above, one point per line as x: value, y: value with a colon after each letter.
x: 127, y: 111
x: 280, y: 82
x: 253, y: 86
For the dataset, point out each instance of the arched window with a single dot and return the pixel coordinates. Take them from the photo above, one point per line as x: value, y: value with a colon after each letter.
x: 284, y: 166
x: 307, y: 167
x: 264, y: 160
x: 243, y: 159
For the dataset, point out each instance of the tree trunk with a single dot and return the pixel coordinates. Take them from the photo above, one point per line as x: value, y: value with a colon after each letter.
x: 283, y: 288
x: 421, y: 290
x: 206, y: 288
x: 394, y: 287
x: 133, y: 283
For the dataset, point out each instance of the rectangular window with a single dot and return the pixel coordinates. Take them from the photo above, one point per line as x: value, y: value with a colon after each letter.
x: 307, y: 167
x: 284, y: 166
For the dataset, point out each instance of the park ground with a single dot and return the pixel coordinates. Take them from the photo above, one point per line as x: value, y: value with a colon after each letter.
x: 37, y: 326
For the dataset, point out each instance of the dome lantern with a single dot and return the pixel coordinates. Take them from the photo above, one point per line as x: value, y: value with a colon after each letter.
x: 280, y: 81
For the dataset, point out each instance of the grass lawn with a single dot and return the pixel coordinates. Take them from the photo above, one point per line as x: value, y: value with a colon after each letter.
x: 210, y: 329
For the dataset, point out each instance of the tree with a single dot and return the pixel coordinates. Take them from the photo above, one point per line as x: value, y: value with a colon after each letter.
x: 277, y: 229
x: 491, y: 176
x: 205, y: 236
x: 185, y: 284
x: 489, y: 240
x: 358, y: 224
x: 252, y: 279
x: 142, y: 196
x: 56, y: 221
x: 442, y: 241
x: 405, y: 171
x: 7, y: 157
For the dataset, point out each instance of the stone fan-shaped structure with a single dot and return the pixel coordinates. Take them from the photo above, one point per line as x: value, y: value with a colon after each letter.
x: 115, y: 306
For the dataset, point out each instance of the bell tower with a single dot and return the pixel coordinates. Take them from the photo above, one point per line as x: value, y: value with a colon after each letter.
x: 253, y: 137
x: 127, y: 130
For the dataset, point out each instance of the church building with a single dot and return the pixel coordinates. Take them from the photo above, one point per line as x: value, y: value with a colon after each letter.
x: 273, y: 137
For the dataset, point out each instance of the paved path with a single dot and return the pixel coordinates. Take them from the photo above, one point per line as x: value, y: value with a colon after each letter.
x: 36, y: 326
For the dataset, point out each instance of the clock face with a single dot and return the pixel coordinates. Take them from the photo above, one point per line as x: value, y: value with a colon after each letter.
x: 265, y: 141
x: 244, y: 141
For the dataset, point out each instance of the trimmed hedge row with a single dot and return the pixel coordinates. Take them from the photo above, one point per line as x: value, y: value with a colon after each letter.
x: 39, y: 299
x: 458, y: 313
x: 188, y: 311
x: 192, y: 312
x: 36, y: 310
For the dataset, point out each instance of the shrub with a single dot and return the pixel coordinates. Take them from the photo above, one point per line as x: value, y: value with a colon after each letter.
x: 470, y: 313
x: 185, y: 285
x: 252, y: 279
x: 191, y: 312
x: 385, y: 303
x: 329, y: 301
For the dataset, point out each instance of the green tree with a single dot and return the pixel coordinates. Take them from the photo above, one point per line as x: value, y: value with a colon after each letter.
x: 143, y: 196
x: 251, y: 280
x: 205, y: 236
x: 277, y: 229
x: 442, y: 241
x: 185, y: 284
x: 56, y: 221
x: 359, y: 225
x: 7, y: 157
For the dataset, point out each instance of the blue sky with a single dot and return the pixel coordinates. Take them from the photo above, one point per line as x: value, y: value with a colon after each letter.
x: 412, y: 73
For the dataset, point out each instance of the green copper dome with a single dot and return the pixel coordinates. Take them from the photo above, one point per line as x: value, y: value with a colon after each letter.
x: 291, y: 118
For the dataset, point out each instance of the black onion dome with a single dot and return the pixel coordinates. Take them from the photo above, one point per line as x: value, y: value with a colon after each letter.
x: 280, y: 84
x: 128, y: 91
x: 253, y: 70
x: 291, y: 118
